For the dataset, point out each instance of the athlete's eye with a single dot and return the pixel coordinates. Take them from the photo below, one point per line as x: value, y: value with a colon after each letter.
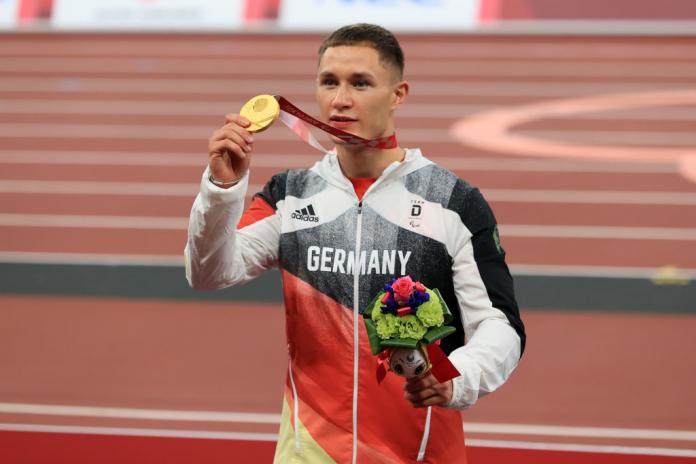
x: 361, y: 84
x: 329, y: 82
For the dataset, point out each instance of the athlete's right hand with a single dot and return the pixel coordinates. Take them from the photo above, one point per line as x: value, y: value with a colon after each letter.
x: 229, y: 148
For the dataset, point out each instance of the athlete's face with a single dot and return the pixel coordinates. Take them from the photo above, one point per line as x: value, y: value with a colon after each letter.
x: 358, y: 93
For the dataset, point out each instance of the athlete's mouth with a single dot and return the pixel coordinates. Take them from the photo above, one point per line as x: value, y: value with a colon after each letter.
x: 341, y: 118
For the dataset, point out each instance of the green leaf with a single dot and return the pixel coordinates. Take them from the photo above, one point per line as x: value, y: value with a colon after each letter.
x: 375, y: 342
x: 436, y: 333
x: 445, y: 309
x: 367, y: 312
x: 400, y: 343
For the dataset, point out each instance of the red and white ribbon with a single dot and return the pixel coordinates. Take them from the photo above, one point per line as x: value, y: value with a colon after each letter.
x: 293, y: 118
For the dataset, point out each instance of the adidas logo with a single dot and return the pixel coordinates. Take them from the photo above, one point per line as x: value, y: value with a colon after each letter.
x: 305, y: 214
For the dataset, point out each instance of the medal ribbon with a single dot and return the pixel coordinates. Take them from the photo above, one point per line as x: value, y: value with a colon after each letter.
x: 292, y: 117
x: 443, y: 369
x: 382, y: 364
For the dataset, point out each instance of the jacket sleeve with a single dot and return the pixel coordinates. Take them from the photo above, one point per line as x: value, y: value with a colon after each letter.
x: 217, y: 254
x: 495, y: 334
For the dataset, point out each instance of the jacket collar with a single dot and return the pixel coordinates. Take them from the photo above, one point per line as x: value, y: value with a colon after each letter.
x: 329, y: 169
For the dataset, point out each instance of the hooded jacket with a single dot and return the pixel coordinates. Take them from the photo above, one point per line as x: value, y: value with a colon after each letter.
x: 335, y: 252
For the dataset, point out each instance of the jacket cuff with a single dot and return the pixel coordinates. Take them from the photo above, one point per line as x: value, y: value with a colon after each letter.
x: 465, y: 390
x: 216, y: 195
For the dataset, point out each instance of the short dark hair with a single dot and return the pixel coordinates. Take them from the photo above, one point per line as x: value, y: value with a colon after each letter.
x: 371, y: 35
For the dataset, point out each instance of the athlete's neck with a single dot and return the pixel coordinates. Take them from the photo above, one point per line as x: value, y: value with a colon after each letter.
x: 358, y: 162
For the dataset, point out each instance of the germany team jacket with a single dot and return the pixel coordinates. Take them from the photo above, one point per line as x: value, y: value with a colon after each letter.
x: 335, y: 252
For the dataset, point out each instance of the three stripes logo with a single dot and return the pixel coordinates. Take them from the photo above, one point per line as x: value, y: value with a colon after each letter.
x: 305, y: 214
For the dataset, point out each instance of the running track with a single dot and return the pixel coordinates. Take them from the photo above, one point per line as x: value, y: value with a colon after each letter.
x: 102, y: 142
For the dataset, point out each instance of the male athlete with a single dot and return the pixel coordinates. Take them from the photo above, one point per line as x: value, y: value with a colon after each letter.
x: 367, y: 214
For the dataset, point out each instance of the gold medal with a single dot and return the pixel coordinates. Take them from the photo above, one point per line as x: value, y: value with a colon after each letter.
x: 261, y: 111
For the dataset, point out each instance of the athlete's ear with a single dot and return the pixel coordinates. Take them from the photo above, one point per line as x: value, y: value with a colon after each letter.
x: 400, y: 93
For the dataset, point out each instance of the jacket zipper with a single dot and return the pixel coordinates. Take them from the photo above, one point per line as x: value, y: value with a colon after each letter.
x: 356, y: 340
x: 356, y: 351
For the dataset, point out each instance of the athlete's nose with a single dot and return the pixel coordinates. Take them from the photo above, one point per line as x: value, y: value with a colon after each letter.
x: 342, y: 98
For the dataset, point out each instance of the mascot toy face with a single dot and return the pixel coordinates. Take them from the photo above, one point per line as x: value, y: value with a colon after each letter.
x: 408, y: 363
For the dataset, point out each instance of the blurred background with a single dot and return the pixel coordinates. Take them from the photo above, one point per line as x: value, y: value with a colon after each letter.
x: 576, y: 119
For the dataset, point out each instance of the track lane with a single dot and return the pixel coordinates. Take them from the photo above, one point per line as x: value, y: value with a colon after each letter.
x: 518, y: 212
x: 500, y: 179
x: 521, y: 250
x: 180, y: 367
x: 504, y: 76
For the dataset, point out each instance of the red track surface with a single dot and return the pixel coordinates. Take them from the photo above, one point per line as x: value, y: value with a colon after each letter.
x: 89, y: 122
x: 25, y: 448
x: 587, y: 370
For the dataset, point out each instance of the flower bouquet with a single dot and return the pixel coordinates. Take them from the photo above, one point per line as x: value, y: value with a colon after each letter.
x: 405, y: 323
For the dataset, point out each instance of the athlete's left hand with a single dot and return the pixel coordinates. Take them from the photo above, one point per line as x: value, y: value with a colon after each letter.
x: 427, y: 391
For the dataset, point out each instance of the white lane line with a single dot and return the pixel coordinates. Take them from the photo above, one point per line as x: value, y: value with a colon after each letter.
x: 266, y: 418
x: 53, y: 187
x: 306, y: 66
x: 585, y: 432
x: 283, y: 161
x: 545, y: 49
x: 507, y: 230
x: 106, y: 259
x: 673, y: 113
x: 138, y: 432
x: 139, y: 413
x: 496, y: 164
x: 579, y: 448
x: 112, y: 158
x: 123, y: 107
x: 197, y: 108
x: 189, y: 190
x: 603, y: 232
x: 614, y: 137
x: 172, y: 132
x: 115, y: 131
x: 93, y: 222
x: 304, y: 88
x: 617, y: 272
x: 271, y: 437
x: 117, y: 158
x: 192, y: 132
x: 590, y: 196
x: 183, y: 87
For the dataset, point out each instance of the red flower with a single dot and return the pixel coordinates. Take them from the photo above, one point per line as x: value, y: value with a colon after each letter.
x: 403, y: 288
x: 405, y: 311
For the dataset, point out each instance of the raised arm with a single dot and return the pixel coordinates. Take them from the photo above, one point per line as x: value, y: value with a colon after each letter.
x: 217, y: 255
